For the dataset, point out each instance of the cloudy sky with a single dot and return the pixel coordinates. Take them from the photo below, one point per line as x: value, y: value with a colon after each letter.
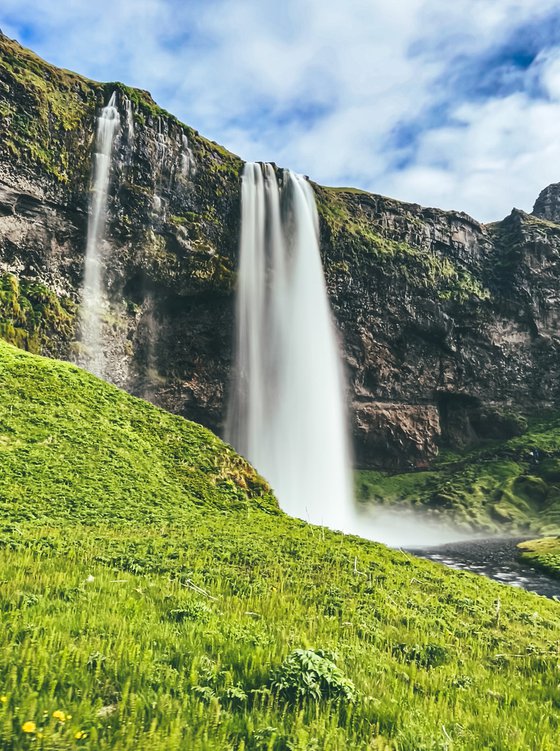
x: 452, y: 104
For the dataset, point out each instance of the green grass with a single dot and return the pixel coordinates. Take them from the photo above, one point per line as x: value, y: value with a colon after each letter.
x: 152, y: 594
x: 544, y: 554
x: 497, y: 487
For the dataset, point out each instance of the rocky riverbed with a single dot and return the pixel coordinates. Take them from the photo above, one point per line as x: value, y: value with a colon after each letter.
x: 496, y: 558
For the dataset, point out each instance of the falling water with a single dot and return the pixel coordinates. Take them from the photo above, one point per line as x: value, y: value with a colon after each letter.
x: 287, y: 411
x: 129, y: 121
x: 187, y: 158
x: 107, y: 125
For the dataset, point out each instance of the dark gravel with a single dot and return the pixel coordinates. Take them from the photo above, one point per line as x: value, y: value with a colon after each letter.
x: 495, y: 558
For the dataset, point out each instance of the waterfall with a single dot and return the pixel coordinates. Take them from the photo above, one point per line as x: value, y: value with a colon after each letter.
x: 287, y: 410
x: 92, y: 300
x: 129, y: 122
x: 187, y: 157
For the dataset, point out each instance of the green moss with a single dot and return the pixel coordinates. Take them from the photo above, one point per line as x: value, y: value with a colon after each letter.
x: 46, y: 114
x: 178, y: 220
x: 349, y: 228
x: 495, y: 487
x: 32, y: 316
x: 42, y: 107
x: 352, y: 191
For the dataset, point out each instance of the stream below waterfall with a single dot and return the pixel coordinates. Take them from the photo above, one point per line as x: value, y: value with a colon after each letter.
x: 495, y: 558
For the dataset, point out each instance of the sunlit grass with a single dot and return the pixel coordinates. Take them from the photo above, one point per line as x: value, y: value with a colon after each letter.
x: 150, y: 589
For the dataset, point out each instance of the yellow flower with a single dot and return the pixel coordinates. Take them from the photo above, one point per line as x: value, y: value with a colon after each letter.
x: 29, y: 727
x: 59, y: 715
x: 80, y: 735
x: 3, y: 699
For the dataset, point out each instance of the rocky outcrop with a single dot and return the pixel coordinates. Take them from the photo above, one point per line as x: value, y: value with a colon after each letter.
x: 450, y: 328
x: 440, y: 311
x: 169, y: 263
x: 547, y: 205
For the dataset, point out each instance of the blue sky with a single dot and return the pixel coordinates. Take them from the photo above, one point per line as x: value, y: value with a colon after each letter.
x: 446, y: 104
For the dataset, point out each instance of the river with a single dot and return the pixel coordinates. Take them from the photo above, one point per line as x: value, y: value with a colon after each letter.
x: 495, y: 558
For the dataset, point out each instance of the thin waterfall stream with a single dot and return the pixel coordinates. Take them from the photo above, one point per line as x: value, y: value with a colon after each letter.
x: 108, y: 124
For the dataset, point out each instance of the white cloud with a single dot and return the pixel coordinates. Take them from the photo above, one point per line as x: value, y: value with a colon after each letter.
x: 321, y: 86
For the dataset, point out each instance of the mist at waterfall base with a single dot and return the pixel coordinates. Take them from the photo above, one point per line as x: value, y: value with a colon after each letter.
x: 287, y: 411
x: 92, y: 301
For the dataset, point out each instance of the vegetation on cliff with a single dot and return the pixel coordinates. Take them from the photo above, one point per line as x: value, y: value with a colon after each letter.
x: 32, y: 317
x: 47, y: 115
x: 172, y: 220
x: 154, y: 597
x: 42, y: 109
x: 348, y: 227
x: 511, y: 486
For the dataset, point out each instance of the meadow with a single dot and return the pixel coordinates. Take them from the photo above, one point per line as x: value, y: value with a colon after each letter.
x: 153, y: 596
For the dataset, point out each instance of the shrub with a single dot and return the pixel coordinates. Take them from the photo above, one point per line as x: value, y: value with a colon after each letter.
x: 311, y: 674
x: 192, y: 610
x: 425, y: 656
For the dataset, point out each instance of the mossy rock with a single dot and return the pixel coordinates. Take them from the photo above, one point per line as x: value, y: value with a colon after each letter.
x: 549, y: 470
x: 533, y: 490
x: 33, y: 317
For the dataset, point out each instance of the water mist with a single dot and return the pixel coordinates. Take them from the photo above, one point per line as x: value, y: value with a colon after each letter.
x: 92, y: 301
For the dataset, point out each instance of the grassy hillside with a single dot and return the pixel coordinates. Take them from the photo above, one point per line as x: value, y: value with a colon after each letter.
x: 544, y: 554
x: 153, y: 597
x: 501, y: 487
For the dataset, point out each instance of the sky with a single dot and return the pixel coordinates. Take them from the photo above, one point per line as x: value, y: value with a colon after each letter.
x: 449, y: 104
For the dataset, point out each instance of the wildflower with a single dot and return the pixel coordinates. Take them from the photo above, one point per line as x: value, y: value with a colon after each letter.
x: 60, y: 715
x: 3, y: 699
x: 80, y: 735
x: 29, y: 727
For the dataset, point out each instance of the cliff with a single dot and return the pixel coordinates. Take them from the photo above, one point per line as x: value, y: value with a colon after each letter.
x: 450, y: 327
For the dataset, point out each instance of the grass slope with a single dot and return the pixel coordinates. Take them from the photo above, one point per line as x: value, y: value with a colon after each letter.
x: 150, y: 591
x: 498, y: 487
x: 544, y: 554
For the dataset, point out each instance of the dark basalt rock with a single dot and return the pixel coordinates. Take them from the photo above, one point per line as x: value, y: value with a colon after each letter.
x: 547, y: 205
x: 450, y: 328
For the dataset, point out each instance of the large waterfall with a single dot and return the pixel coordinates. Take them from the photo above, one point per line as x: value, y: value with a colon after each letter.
x: 287, y: 409
x: 92, y: 300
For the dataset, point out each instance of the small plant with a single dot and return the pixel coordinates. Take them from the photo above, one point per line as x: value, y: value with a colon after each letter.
x: 311, y: 674
x: 192, y: 610
x: 425, y: 656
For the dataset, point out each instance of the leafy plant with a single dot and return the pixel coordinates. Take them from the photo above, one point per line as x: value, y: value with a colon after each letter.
x: 311, y: 674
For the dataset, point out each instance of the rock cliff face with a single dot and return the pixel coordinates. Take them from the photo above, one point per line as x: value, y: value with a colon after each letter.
x: 450, y: 328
